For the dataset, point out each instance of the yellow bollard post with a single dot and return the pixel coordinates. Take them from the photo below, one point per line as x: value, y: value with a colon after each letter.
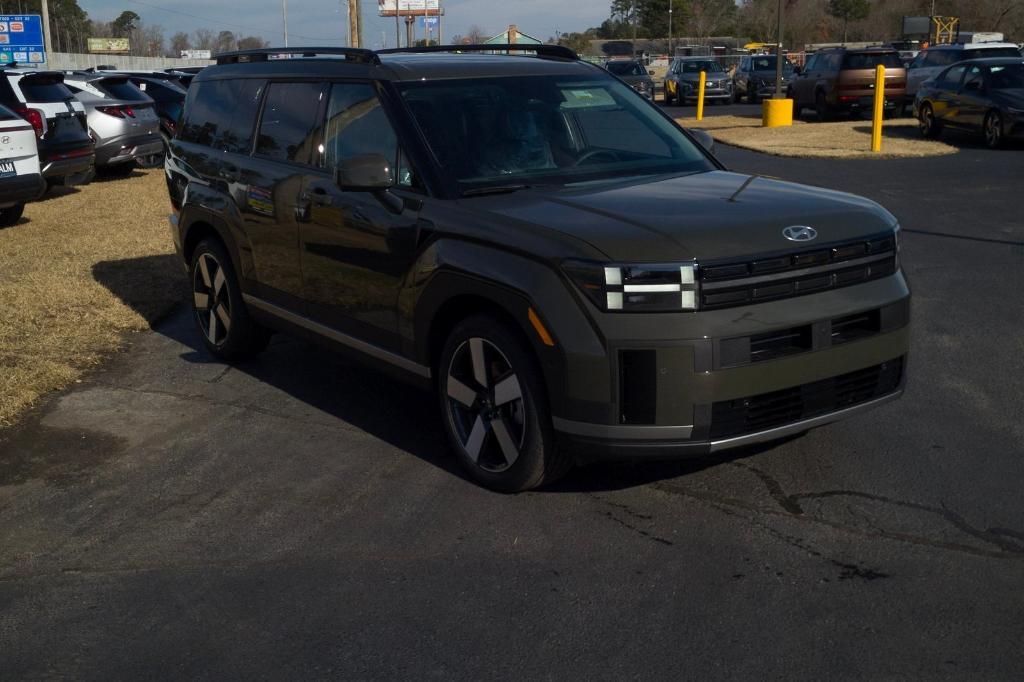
x: 700, y: 96
x: 876, y: 122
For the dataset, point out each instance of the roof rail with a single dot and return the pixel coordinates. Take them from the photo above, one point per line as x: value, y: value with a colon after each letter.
x: 354, y: 54
x: 548, y: 51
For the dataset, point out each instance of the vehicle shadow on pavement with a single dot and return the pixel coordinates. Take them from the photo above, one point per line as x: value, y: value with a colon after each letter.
x: 388, y: 409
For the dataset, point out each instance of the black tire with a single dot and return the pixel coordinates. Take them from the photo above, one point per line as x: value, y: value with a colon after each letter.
x: 930, y: 126
x: 751, y: 97
x: 11, y: 215
x: 220, y: 314
x: 494, y: 407
x: 797, y: 109
x: 821, y: 108
x: 992, y: 130
x: 668, y: 97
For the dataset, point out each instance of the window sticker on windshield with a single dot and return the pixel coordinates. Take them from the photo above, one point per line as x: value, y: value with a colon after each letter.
x: 580, y: 98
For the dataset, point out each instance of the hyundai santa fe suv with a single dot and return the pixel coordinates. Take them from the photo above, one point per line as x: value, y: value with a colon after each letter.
x: 569, y: 270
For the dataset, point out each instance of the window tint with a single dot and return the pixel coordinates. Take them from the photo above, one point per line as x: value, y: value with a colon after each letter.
x: 1007, y: 77
x: 120, y: 88
x: 7, y: 115
x: 289, y: 123
x: 44, y: 90
x: 221, y: 114
x: 768, y: 64
x: 890, y: 60
x: 991, y: 52
x: 811, y: 63
x: 941, y: 57
x: 697, y: 67
x: 975, y: 76
x: 626, y: 69
x: 952, y: 77
x: 160, y: 92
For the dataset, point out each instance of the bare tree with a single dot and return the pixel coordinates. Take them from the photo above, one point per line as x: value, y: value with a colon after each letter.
x: 475, y: 35
x: 179, y: 42
x: 203, y: 39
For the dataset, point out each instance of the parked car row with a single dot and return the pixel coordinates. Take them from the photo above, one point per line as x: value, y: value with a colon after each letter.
x: 60, y: 127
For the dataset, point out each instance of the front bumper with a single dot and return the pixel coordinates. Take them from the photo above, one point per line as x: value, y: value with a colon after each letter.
x: 677, y: 393
x: 21, y: 189
x: 709, y: 94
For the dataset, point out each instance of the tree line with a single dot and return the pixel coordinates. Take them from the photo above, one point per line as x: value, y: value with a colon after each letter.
x: 807, y: 21
x: 71, y: 27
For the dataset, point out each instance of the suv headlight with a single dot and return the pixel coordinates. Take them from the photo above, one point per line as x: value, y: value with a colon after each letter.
x: 639, y: 288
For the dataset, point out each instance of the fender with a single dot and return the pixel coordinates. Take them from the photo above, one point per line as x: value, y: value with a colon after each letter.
x: 575, y: 368
x: 203, y: 204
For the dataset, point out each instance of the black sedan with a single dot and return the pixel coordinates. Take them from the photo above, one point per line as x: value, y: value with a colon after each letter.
x: 980, y: 95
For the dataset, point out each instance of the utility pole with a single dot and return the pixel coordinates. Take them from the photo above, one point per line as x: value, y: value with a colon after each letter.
x: 398, y: 29
x: 670, y: 29
x: 47, y: 43
x: 284, y: 14
x: 355, y: 21
x: 778, y: 55
x: 440, y: 13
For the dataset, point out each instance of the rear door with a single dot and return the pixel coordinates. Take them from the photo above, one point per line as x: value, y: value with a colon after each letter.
x: 803, y: 82
x: 357, y: 246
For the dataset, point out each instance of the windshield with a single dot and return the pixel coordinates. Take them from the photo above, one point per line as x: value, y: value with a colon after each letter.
x: 869, y: 60
x: 768, y: 64
x: 546, y: 130
x: 697, y: 67
x: 1007, y: 77
x: 626, y: 69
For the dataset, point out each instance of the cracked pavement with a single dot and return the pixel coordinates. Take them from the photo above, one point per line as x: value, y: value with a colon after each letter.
x: 299, y: 516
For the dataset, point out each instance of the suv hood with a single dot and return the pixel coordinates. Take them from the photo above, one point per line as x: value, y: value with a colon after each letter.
x: 708, y: 216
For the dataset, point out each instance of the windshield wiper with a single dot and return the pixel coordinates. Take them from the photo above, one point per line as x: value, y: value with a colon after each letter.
x: 495, y: 189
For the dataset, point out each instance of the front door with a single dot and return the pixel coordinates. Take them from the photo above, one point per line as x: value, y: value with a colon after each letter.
x: 357, y: 245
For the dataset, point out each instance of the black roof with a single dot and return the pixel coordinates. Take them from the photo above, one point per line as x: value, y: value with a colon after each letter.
x: 456, y: 61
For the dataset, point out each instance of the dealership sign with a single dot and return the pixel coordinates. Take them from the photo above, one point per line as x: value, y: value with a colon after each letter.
x: 196, y: 54
x: 21, y: 39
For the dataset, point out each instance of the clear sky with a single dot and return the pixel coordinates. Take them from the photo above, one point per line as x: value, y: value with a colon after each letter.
x: 325, y: 22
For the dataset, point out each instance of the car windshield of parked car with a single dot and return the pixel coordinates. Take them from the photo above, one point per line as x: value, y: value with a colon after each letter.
x: 697, y: 67
x: 890, y: 60
x: 1008, y: 77
x: 768, y: 64
x: 626, y: 69
x: 546, y: 130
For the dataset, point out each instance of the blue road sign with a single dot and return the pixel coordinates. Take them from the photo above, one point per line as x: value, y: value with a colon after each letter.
x: 428, y: 21
x: 21, y: 39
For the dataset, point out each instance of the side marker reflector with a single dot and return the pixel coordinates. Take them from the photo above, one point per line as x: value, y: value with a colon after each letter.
x: 539, y: 327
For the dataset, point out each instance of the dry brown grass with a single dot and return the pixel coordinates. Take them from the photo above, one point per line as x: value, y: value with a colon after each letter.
x: 81, y: 268
x: 837, y: 140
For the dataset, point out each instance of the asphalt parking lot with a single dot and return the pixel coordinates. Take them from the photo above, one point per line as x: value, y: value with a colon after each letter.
x: 298, y: 515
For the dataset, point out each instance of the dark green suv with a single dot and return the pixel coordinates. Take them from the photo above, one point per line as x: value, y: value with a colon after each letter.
x: 571, y: 272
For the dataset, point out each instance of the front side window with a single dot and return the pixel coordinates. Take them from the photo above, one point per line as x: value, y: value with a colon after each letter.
x: 546, y: 129
x: 356, y: 125
x: 975, y: 78
x: 289, y: 123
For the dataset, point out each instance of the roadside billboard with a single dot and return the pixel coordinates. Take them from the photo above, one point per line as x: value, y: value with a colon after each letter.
x: 196, y: 54
x: 21, y: 39
x: 409, y: 8
x: 109, y: 45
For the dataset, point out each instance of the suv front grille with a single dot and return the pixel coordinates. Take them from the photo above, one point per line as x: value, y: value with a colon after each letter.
x: 727, y: 285
x: 730, y: 418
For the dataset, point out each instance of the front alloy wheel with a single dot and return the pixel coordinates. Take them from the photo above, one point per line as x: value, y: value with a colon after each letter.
x: 928, y: 123
x: 494, y: 407
x: 485, y: 405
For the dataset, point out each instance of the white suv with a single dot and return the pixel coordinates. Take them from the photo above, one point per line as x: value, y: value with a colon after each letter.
x: 933, y: 60
x: 20, y: 180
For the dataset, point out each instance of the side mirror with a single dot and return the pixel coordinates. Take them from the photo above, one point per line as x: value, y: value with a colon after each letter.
x: 703, y: 138
x: 366, y: 172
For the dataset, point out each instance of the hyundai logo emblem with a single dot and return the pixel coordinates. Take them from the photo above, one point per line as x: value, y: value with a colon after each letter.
x: 4, y: 139
x: 799, y: 233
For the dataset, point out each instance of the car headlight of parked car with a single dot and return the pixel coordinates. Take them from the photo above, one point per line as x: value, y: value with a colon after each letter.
x: 641, y: 287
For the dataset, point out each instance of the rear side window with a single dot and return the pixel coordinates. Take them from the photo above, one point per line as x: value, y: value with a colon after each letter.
x: 221, y: 114
x: 289, y: 123
x: 38, y: 90
x: 952, y: 77
x: 161, y: 92
x: 120, y: 88
x: 991, y: 52
x: 890, y: 60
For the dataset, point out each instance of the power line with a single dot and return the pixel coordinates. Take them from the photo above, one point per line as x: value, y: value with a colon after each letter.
x: 223, y: 23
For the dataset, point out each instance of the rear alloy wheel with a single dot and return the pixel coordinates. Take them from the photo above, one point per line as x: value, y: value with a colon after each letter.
x: 11, y: 215
x: 993, y: 130
x: 494, y: 408
x: 218, y: 309
x: 929, y: 125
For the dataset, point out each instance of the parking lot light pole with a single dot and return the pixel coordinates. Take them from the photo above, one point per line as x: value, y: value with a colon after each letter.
x: 284, y: 15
